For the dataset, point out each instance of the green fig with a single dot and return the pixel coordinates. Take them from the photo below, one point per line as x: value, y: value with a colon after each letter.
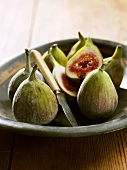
x: 66, y: 84
x: 19, y: 77
x: 79, y: 44
x: 34, y: 102
x: 84, y: 61
x: 114, y: 66
x: 97, y: 97
x: 45, y: 56
x: 58, y: 54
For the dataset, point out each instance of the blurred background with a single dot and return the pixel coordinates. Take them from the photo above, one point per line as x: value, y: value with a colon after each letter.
x: 29, y: 23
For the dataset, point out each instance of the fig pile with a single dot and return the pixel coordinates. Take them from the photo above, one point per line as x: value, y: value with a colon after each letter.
x: 84, y: 75
x: 32, y: 99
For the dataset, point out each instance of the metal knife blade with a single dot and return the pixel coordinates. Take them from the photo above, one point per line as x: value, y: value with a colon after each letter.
x: 62, y: 101
x: 54, y: 86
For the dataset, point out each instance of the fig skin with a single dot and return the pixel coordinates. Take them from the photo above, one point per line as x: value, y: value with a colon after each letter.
x: 45, y: 57
x: 58, y: 54
x: 114, y: 66
x: 97, y: 97
x: 19, y: 77
x: 79, y: 44
x: 34, y: 102
x: 84, y: 61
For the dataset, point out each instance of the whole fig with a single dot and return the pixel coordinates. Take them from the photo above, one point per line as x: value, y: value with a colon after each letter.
x: 45, y: 57
x: 114, y: 66
x: 19, y: 77
x: 34, y: 102
x: 97, y: 97
x: 58, y: 54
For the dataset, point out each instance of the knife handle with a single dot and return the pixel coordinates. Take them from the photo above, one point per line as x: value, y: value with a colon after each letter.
x: 44, y: 70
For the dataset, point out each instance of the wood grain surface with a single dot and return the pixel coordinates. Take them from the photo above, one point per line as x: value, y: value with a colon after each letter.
x: 29, y: 23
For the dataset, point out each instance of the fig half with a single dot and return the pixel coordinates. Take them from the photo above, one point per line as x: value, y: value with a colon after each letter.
x: 84, y: 61
x: 66, y: 84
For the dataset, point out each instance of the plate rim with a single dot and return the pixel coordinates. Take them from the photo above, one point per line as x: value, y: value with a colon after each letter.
x: 54, y: 131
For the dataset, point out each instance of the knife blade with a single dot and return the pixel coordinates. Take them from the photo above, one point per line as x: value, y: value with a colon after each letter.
x: 54, y: 86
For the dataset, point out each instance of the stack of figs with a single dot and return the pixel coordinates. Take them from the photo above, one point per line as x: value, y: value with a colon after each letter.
x: 84, y: 74
x: 32, y: 99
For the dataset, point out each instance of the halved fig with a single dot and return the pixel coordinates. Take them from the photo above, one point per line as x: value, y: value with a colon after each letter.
x: 66, y: 84
x: 84, y: 61
x: 79, y: 44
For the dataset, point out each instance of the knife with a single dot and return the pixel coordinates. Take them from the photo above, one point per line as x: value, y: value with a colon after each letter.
x: 54, y: 86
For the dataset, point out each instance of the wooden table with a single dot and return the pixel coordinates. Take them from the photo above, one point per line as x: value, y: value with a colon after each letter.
x: 28, y: 23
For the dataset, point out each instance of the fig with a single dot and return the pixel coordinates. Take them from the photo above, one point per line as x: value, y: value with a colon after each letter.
x: 21, y: 75
x: 66, y: 84
x: 114, y: 66
x: 58, y: 54
x: 45, y: 57
x: 97, y: 97
x: 79, y: 44
x: 34, y: 102
x: 84, y: 61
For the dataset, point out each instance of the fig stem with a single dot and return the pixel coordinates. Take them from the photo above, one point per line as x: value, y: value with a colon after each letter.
x: 54, y: 45
x: 118, y: 52
x: 80, y: 36
x: 28, y: 63
x: 102, y: 67
x: 32, y: 75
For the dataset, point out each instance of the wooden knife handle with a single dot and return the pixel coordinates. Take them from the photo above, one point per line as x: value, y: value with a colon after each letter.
x: 44, y: 70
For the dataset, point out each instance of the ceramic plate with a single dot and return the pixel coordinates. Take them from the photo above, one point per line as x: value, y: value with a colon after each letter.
x: 86, y: 127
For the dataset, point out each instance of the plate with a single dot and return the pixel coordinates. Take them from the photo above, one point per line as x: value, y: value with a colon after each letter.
x: 86, y: 127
